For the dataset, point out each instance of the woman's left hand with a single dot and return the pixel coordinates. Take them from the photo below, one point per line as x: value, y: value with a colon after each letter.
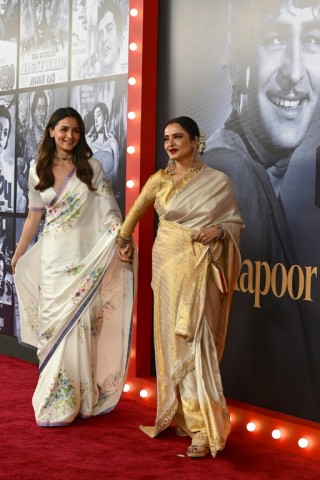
x: 206, y: 235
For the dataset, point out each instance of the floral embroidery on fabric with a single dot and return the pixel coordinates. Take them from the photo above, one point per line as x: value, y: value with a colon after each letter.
x: 97, y: 322
x: 74, y: 270
x: 104, y: 188
x: 89, y: 282
x: 61, y: 398
x: 82, y: 329
x: 113, y: 230
x: 110, y: 385
x: 31, y: 310
x: 61, y: 215
x: 47, y: 334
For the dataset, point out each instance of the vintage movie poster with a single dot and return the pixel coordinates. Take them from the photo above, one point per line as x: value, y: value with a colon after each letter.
x: 99, y: 38
x: 6, y: 251
x: 44, y: 31
x: 34, y: 110
x: 7, y: 152
x: 9, y: 25
x: 103, y: 107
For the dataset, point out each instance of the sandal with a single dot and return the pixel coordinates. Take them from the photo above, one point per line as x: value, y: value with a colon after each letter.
x: 195, y: 451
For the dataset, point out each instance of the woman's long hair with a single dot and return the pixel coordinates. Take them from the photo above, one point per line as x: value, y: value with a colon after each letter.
x: 81, y: 152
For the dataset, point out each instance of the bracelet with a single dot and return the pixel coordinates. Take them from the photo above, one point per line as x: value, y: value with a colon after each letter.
x: 222, y: 232
x: 122, y: 242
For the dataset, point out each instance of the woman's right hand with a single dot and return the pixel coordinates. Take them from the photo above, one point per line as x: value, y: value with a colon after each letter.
x: 125, y: 254
x: 14, y: 261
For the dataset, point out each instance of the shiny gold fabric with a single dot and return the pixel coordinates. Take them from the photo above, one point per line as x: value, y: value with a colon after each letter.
x: 190, y: 313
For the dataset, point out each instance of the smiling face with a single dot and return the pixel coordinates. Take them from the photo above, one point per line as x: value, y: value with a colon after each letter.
x: 177, y: 143
x: 66, y: 134
x: 108, y: 43
x: 283, y: 80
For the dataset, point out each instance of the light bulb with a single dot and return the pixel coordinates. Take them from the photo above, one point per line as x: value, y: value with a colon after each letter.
x: 251, y: 426
x: 143, y: 393
x: 276, y: 434
x: 131, y: 115
x: 303, y: 443
x: 133, y: 12
x: 131, y: 149
x: 133, y: 46
x: 132, y: 81
x: 126, y: 388
x: 130, y: 183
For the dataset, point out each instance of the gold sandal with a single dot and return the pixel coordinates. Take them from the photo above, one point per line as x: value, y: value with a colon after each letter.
x: 195, y: 451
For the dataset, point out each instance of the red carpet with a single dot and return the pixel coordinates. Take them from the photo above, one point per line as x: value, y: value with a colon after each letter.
x: 112, y: 446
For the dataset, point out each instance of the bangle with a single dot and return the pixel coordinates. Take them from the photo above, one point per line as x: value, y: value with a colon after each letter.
x: 122, y: 242
x: 222, y: 232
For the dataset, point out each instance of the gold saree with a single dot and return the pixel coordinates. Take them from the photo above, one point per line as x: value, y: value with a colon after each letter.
x: 190, y: 312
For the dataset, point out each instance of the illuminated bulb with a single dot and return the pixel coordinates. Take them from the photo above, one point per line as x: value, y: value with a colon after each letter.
x: 133, y: 12
x: 126, y: 388
x: 132, y: 81
x: 276, y: 434
x: 303, y: 443
x: 143, y: 393
x: 131, y: 115
x: 130, y: 183
x: 131, y: 149
x: 133, y: 46
x: 251, y: 427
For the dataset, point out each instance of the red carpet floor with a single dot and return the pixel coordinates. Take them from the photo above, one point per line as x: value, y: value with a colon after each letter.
x: 112, y: 446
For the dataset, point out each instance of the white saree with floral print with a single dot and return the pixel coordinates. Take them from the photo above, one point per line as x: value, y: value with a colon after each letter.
x: 75, y: 300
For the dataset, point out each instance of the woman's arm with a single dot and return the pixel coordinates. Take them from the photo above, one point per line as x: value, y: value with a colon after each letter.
x: 142, y: 203
x: 29, y: 229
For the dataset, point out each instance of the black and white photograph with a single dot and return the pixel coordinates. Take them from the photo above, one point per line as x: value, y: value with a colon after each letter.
x: 6, y: 250
x: 44, y: 31
x: 7, y: 152
x: 34, y: 111
x: 99, y: 38
x: 103, y: 107
x: 9, y: 27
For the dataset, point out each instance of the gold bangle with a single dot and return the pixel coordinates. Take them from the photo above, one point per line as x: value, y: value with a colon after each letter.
x: 122, y: 242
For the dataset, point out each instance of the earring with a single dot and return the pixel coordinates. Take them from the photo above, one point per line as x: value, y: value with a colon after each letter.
x: 171, y: 166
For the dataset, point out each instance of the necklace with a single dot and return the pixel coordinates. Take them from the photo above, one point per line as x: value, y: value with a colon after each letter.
x: 61, y: 157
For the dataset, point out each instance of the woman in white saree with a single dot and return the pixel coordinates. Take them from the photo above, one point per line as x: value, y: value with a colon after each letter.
x: 195, y: 263
x: 75, y: 296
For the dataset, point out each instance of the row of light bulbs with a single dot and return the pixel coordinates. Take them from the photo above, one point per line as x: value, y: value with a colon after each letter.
x: 132, y: 81
x: 251, y: 426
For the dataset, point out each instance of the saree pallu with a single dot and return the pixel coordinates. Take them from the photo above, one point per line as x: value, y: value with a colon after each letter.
x: 190, y: 312
x: 75, y: 301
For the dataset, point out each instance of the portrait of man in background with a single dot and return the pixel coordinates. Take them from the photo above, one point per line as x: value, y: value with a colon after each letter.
x: 274, y: 65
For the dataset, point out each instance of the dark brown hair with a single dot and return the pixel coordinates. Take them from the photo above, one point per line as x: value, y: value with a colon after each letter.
x: 81, y: 153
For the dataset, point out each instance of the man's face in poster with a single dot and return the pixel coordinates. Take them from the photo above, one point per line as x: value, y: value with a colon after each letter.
x: 108, y: 43
x: 283, y: 79
x: 44, y: 11
x: 40, y: 113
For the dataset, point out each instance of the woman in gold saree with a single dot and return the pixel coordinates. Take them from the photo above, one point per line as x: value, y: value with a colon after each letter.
x: 75, y: 297
x: 195, y: 263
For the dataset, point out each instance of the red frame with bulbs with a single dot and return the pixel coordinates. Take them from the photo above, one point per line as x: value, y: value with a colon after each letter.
x: 140, y: 164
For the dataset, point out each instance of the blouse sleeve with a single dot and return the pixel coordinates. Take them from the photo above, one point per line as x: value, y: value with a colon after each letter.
x: 35, y: 201
x: 142, y: 203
